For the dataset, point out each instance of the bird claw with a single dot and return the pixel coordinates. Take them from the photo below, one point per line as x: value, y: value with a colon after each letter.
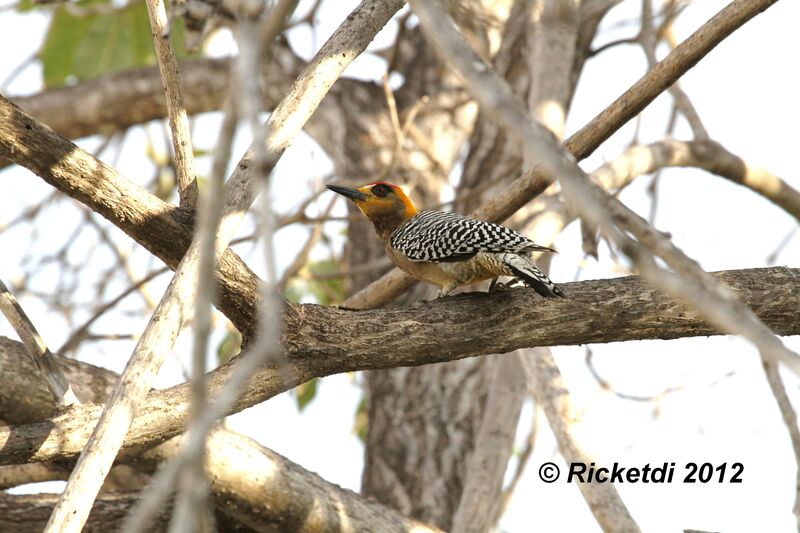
x: 497, y: 286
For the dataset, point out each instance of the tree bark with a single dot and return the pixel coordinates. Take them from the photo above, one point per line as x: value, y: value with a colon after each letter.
x: 25, y: 513
x: 321, y: 341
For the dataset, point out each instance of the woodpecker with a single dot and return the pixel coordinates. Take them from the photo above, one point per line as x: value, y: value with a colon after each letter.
x: 447, y: 249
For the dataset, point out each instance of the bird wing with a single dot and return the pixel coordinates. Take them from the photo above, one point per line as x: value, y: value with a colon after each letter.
x: 442, y: 237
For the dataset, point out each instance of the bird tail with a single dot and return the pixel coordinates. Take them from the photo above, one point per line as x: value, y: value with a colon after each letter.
x: 524, y: 268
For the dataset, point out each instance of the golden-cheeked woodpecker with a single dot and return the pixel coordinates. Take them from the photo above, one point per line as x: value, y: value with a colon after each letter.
x: 447, y: 249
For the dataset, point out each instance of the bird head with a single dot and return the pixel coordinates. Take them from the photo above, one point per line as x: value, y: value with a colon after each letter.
x: 384, y: 204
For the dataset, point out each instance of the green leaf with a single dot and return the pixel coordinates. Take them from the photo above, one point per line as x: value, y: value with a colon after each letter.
x: 361, y: 420
x: 91, y: 38
x: 25, y: 5
x: 230, y: 346
x: 305, y: 393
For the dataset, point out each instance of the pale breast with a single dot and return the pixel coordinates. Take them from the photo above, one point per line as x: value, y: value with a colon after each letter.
x: 480, y: 267
x: 423, y: 270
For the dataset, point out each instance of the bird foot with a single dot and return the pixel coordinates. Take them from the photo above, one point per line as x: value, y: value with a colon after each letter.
x: 497, y: 286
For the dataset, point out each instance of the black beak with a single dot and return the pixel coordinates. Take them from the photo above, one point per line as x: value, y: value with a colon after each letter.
x: 347, y: 192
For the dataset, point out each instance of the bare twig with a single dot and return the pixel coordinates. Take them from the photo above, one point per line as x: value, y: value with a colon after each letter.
x: 522, y: 461
x: 302, y: 256
x: 178, y: 120
x: 790, y: 421
x: 253, y: 48
x: 36, y: 349
x: 566, y: 423
x: 83, y: 331
x: 649, y: 37
x: 191, y: 503
x: 191, y: 510
x: 400, y: 132
x: 605, y: 385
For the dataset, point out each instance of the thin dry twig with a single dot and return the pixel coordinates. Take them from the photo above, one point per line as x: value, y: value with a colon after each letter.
x: 648, y: 38
x: 191, y: 511
x: 401, y: 132
x: 37, y: 349
x: 302, y: 256
x: 178, y: 119
x: 253, y: 48
x: 707, y: 155
x: 565, y: 421
x: 82, y: 332
x: 522, y: 461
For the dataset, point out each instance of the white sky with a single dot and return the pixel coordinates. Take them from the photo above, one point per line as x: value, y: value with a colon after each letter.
x: 746, y: 93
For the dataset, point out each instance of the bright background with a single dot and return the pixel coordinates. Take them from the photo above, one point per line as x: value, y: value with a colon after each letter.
x: 720, y: 408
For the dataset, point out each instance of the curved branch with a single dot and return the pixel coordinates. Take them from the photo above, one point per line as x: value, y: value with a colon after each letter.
x: 320, y: 341
x: 708, y: 155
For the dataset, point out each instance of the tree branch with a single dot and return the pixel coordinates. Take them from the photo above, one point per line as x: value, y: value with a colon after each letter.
x: 178, y: 118
x: 552, y: 394
x: 25, y: 513
x: 320, y: 341
x: 250, y: 483
x: 708, y: 155
x: 36, y: 349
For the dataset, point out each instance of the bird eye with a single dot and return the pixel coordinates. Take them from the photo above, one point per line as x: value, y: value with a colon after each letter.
x: 381, y: 190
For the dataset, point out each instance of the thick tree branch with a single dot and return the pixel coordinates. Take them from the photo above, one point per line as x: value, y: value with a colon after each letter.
x: 123, y: 99
x: 27, y: 513
x: 250, y: 483
x: 321, y: 341
x: 596, y: 207
x: 166, y: 231
x: 486, y: 467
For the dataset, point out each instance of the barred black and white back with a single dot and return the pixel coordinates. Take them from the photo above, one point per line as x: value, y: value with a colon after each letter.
x: 447, y: 237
